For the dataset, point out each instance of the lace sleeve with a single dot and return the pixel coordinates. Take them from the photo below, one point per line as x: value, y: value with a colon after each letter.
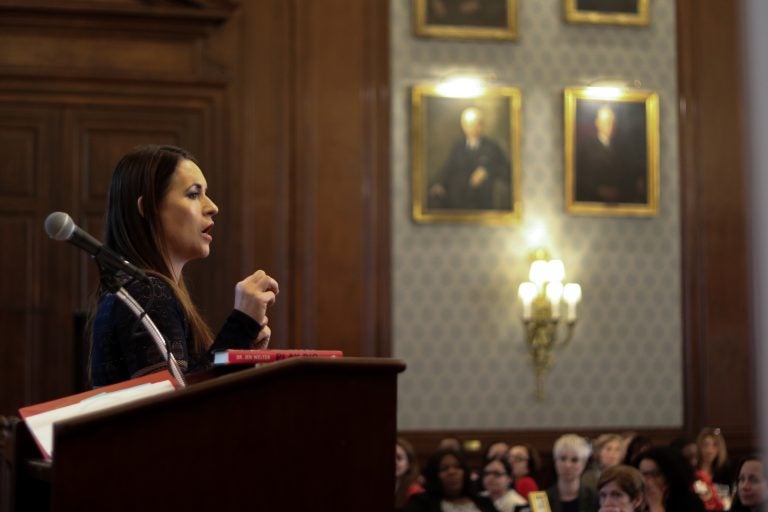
x: 137, y: 348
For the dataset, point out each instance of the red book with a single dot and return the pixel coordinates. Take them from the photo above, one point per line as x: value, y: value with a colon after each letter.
x: 235, y: 356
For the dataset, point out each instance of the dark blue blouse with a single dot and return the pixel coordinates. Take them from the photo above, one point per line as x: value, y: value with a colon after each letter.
x: 122, y: 349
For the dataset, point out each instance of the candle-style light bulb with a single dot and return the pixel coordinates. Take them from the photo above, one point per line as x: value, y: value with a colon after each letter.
x: 554, y: 294
x: 572, y: 296
x: 527, y: 292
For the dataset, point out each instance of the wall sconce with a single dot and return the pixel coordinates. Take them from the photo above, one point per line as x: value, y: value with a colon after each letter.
x: 542, y: 298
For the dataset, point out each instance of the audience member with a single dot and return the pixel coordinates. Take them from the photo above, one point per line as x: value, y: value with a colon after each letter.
x: 450, y: 443
x: 607, y: 452
x: 526, y: 463
x: 495, y: 450
x: 714, y: 467
x: 688, y: 448
x: 668, y: 481
x: 635, y: 444
x: 406, y: 473
x: 497, y: 482
x: 751, y: 486
x: 447, y: 487
x: 620, y: 489
x: 568, y: 494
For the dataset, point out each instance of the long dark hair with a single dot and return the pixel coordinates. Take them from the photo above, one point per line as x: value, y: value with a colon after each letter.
x: 676, y: 470
x: 136, y: 234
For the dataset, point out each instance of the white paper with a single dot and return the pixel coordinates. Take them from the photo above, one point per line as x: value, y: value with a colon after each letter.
x: 41, y: 425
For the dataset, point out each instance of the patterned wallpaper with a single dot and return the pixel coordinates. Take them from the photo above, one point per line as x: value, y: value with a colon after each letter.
x: 456, y: 316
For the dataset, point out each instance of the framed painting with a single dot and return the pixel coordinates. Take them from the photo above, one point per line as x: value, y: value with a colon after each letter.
x: 539, y: 502
x: 465, y: 19
x: 465, y: 154
x: 611, y: 151
x: 613, y: 12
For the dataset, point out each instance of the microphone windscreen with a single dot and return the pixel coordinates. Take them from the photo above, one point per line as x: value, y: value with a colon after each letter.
x: 59, y: 226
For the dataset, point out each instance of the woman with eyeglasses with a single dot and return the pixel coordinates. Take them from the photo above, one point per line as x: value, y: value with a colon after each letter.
x: 525, y: 462
x: 448, y: 487
x: 620, y: 489
x: 668, y: 481
x: 751, y: 486
x: 497, y: 482
x: 568, y: 494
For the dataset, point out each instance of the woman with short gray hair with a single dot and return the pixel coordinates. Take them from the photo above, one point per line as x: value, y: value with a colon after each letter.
x: 568, y: 494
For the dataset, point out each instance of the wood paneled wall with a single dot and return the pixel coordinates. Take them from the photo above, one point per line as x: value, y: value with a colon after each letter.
x: 284, y: 102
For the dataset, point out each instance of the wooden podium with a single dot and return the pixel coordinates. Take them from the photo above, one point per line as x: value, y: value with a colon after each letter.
x: 301, y: 434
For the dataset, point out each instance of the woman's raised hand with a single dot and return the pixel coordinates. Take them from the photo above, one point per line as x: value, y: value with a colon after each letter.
x: 254, y: 294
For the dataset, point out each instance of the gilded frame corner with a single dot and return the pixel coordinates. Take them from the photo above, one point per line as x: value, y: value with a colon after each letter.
x: 639, y: 18
x: 456, y: 29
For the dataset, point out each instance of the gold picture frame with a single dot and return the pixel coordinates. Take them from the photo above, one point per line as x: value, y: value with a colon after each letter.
x: 465, y: 154
x: 465, y: 19
x: 609, y: 12
x: 539, y: 501
x: 611, y: 151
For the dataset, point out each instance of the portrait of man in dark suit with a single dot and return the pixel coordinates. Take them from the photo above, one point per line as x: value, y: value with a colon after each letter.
x: 612, y: 152
x: 465, y: 155
x: 476, y: 175
x: 610, y: 167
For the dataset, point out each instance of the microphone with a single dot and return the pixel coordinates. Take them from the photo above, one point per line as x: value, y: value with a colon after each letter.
x: 60, y: 226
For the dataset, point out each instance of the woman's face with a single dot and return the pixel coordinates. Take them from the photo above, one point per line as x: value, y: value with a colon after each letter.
x: 569, y: 466
x: 186, y: 216
x: 401, y: 461
x: 614, y: 499
x: 496, y: 480
x: 611, y: 454
x: 451, y: 476
x: 752, y: 485
x: 708, y: 450
x: 655, y: 483
x: 518, y: 459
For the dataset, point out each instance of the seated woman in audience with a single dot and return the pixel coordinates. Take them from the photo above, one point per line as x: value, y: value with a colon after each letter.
x: 406, y: 473
x: 620, y: 489
x: 688, y: 447
x: 751, y: 486
x: 635, y: 444
x: 568, y: 494
x: 495, y: 450
x: 525, y: 462
x: 607, y: 452
x: 447, y: 487
x: 497, y: 482
x: 668, y: 481
x: 714, y: 467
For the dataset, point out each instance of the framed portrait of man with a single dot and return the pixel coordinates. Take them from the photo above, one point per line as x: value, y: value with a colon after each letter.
x: 465, y: 19
x: 465, y: 154
x: 613, y: 12
x: 611, y: 151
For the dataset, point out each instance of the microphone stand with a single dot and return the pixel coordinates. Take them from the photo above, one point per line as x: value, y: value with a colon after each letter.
x: 110, y: 282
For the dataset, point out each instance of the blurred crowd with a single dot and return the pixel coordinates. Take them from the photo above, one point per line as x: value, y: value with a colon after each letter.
x: 611, y: 473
